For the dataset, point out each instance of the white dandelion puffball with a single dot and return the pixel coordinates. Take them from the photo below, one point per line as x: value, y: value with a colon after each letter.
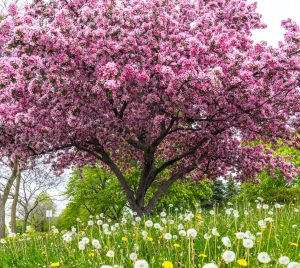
x: 207, y: 236
x: 106, y: 266
x: 138, y: 219
x: 110, y: 254
x: 263, y: 257
x: 182, y: 233
x: 228, y: 256
x: 95, y: 242
x: 180, y: 226
x: 191, y: 233
x: 90, y: 223
x: 156, y: 225
x: 81, y: 245
x: 141, y: 264
x: 163, y: 214
x: 248, y: 243
x: 228, y: 211
x: 167, y: 236
x: 210, y: 265
x: 226, y: 241
x: 99, y: 222
x: 148, y: 223
x: 144, y: 234
x: 212, y: 212
x: 133, y: 256
x: 265, y: 206
x: 293, y: 264
x: 85, y: 240
x: 240, y: 235
x: 67, y: 238
x: 284, y: 260
x: 214, y: 231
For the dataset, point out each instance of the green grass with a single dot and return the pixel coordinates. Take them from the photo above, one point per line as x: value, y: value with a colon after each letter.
x: 280, y: 237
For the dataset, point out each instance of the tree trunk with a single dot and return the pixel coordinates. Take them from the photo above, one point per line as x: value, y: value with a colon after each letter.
x: 2, y: 219
x: 13, y: 220
x: 25, y: 222
x: 4, y: 197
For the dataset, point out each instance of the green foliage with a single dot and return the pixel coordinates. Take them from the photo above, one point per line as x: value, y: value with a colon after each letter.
x: 94, y: 190
x: 270, y: 189
x: 37, y: 219
x: 186, y: 194
x: 274, y: 187
x: 232, y: 189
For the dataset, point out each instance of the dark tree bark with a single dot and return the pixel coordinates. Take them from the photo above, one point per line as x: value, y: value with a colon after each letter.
x: 25, y: 221
x: 13, y: 219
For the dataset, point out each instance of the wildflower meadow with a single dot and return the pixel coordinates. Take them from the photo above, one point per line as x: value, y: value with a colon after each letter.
x: 248, y: 235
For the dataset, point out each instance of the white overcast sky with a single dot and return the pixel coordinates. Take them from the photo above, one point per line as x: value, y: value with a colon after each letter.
x: 274, y: 11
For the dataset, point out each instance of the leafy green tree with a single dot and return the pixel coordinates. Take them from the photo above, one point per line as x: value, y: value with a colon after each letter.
x: 186, y: 194
x: 232, y: 189
x: 37, y: 218
x: 272, y: 186
x: 94, y: 190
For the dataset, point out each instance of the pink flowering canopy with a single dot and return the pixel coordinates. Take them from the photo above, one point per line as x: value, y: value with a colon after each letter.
x: 173, y: 85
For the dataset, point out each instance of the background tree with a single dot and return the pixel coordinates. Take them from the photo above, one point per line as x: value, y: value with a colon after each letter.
x: 92, y: 191
x: 9, y: 172
x: 271, y: 185
x: 96, y: 190
x: 175, y: 86
x: 37, y: 218
x: 35, y: 183
x: 232, y: 189
x: 13, y: 214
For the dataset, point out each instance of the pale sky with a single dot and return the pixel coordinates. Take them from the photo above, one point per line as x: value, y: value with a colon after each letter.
x: 274, y: 11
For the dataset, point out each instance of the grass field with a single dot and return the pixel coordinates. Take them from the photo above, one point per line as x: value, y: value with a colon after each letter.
x: 252, y: 235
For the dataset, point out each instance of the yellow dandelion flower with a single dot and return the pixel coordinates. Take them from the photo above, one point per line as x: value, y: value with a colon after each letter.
x: 124, y: 238
x: 199, y: 217
x: 167, y: 264
x: 203, y: 255
x: 242, y: 262
x: 149, y: 238
x: 176, y: 246
x: 54, y: 264
x: 281, y: 225
x: 91, y: 254
x: 294, y: 244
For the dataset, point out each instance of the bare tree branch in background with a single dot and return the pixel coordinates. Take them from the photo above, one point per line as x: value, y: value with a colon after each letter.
x: 34, y: 185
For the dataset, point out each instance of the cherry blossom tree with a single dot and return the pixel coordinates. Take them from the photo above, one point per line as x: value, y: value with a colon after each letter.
x: 164, y: 85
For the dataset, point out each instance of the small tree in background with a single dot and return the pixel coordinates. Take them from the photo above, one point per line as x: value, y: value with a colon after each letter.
x: 232, y: 189
x: 37, y: 218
